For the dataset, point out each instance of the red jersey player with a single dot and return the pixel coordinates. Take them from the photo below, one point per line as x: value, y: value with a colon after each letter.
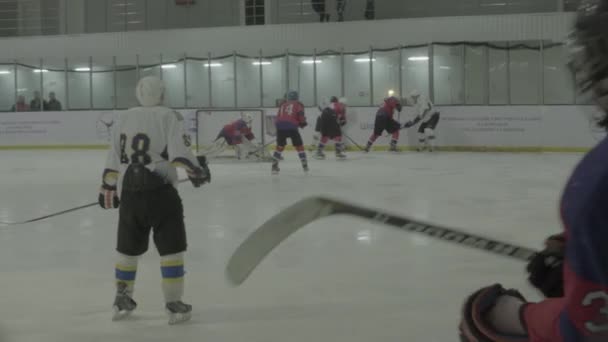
x: 579, y: 312
x: 290, y: 118
x: 385, y: 121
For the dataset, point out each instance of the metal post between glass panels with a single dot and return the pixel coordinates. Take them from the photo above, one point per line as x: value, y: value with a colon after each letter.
x: 286, y: 71
x: 185, y: 71
x: 90, y: 82
x: 115, y: 100
x: 486, y: 74
x: 16, y: 89
x: 541, y: 72
x: 210, y: 82
x: 508, y: 66
x: 342, y: 75
x: 261, y: 70
x: 41, y: 108
x: 66, y: 87
x: 431, y: 55
x: 314, y: 78
x: 463, y: 69
x: 400, y: 71
x: 371, y: 76
x: 236, y: 80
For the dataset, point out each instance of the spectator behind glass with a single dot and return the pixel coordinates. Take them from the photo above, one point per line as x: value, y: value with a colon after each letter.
x: 36, y: 103
x: 20, y: 106
x: 53, y: 104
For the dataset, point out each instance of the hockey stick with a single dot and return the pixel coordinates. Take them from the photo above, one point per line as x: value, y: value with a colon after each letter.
x: 60, y: 212
x: 261, y: 149
x: 278, y: 228
x: 354, y: 143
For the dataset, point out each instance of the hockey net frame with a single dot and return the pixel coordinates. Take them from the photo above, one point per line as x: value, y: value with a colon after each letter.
x: 262, y: 127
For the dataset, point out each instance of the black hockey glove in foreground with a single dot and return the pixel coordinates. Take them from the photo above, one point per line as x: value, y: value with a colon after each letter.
x: 108, y: 198
x: 202, y: 175
x: 545, y: 269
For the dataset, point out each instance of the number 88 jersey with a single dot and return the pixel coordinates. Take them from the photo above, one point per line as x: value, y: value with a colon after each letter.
x: 153, y: 136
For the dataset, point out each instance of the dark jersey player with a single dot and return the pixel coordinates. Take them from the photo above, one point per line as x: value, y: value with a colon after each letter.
x: 579, y: 312
x: 329, y: 125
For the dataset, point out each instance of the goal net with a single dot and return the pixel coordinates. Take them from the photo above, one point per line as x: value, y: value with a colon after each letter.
x: 211, y: 121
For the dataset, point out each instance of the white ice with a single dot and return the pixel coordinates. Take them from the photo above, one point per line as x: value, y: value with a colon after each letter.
x: 339, y: 279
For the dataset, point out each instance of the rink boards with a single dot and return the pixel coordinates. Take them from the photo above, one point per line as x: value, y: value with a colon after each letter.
x: 466, y: 128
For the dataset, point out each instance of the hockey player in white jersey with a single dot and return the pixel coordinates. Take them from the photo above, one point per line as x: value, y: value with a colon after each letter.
x: 140, y: 177
x: 428, y: 116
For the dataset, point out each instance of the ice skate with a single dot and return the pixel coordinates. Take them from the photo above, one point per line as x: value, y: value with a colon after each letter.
x: 319, y: 155
x: 394, y: 149
x: 340, y: 155
x: 123, y: 303
x: 275, y: 167
x: 305, y: 166
x: 178, y: 312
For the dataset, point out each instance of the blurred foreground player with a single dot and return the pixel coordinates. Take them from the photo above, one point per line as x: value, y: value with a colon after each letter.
x: 385, y: 122
x: 329, y: 124
x: 290, y: 119
x: 234, y: 132
x: 580, y: 313
x: 147, y: 143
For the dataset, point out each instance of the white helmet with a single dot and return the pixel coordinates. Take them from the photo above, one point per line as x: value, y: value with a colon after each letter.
x: 150, y: 91
x: 248, y: 118
x: 324, y: 103
x: 415, y: 93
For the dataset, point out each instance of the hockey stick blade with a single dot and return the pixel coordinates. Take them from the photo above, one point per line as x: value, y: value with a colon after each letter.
x: 268, y: 236
x: 59, y: 212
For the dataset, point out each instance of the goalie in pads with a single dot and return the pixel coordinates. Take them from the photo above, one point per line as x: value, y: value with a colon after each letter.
x: 140, y: 178
x: 233, y: 134
x: 579, y: 312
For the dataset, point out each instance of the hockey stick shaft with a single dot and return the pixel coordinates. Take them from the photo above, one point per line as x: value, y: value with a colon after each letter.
x: 354, y: 143
x: 84, y: 206
x: 441, y: 233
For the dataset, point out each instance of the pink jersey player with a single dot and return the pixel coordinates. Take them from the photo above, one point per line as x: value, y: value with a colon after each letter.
x: 290, y: 118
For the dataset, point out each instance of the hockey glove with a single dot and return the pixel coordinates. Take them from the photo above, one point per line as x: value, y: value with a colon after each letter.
x: 303, y: 124
x: 493, y: 314
x: 202, y: 175
x: 108, y: 198
x: 408, y: 124
x: 545, y: 269
x: 342, y: 122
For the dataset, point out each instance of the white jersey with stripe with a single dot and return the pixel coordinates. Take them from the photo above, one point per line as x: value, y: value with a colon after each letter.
x: 424, y: 109
x: 153, y: 136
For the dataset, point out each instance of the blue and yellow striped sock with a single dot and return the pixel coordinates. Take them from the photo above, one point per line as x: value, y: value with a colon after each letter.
x: 172, y: 270
x: 126, y: 271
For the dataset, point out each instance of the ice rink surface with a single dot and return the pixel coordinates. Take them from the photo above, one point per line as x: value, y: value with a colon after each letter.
x: 339, y: 279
